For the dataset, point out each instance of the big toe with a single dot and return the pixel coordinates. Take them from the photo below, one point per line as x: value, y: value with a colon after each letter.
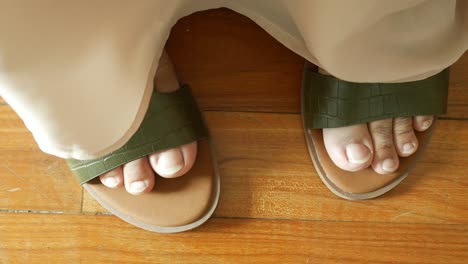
x: 174, y: 162
x: 350, y: 148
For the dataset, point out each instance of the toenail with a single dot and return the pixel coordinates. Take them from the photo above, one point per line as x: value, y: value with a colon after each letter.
x: 170, y: 162
x: 388, y: 165
x: 110, y: 182
x: 168, y: 171
x: 409, y: 148
x: 426, y: 124
x: 138, y: 186
x: 356, y: 153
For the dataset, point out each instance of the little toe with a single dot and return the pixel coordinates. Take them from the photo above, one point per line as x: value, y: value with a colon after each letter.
x: 113, y: 178
x: 403, y: 136
x: 138, y: 176
x: 422, y: 123
x: 350, y: 148
x: 385, y: 156
x: 174, y: 162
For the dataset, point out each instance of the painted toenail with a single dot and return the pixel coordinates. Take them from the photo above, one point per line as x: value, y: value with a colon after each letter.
x: 388, y: 165
x: 163, y: 171
x: 110, y: 182
x: 426, y: 124
x: 138, y: 186
x: 408, y: 148
x: 358, y: 153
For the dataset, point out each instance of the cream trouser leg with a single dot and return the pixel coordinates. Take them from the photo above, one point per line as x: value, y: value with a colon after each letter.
x: 79, y: 73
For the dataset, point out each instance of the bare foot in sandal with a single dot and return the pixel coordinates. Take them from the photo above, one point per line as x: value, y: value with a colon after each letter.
x: 138, y: 176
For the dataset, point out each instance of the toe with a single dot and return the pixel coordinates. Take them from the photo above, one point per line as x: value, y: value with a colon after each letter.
x: 113, y: 178
x: 422, y: 123
x: 403, y: 136
x: 350, y: 148
x: 174, y: 162
x: 138, y: 176
x: 385, y: 156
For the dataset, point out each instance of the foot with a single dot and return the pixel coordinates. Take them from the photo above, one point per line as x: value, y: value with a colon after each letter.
x: 378, y: 144
x: 138, y: 176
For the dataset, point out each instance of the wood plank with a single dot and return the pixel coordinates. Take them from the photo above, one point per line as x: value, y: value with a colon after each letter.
x: 31, y: 179
x: 267, y: 173
x: 234, y: 65
x: 458, y: 92
x: 13, y: 133
x: 256, y: 171
x: 103, y: 239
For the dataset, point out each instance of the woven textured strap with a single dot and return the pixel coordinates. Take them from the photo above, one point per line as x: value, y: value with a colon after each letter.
x: 172, y: 119
x: 329, y: 102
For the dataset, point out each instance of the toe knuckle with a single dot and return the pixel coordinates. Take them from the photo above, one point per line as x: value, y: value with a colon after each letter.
x: 402, y: 121
x: 385, y: 145
x: 403, y: 131
x: 381, y: 131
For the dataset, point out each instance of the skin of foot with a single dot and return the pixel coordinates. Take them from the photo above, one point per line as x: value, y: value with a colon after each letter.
x: 139, y: 176
x: 378, y: 144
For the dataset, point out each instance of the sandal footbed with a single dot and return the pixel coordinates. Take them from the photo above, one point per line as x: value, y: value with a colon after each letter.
x: 364, y: 184
x: 174, y: 205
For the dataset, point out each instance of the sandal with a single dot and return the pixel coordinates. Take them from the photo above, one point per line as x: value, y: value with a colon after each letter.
x: 328, y: 102
x: 174, y: 205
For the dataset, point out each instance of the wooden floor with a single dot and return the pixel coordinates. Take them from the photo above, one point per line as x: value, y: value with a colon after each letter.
x: 273, y: 206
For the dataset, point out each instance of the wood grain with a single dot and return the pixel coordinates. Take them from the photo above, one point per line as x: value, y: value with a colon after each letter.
x: 13, y: 133
x: 273, y: 206
x: 266, y: 170
x: 31, y: 179
x: 234, y: 65
x: 458, y: 95
x: 104, y: 239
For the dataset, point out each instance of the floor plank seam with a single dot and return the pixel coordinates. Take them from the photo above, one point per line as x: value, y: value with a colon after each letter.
x: 28, y: 211
x: 250, y: 112
x: 286, y: 113
x: 81, y: 200
x: 453, y: 118
x: 297, y: 113
x: 337, y: 221
x: 19, y: 149
x: 54, y: 212
x: 97, y: 213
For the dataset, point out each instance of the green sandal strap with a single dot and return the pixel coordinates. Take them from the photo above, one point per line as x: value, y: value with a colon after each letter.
x: 329, y: 102
x: 172, y: 120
